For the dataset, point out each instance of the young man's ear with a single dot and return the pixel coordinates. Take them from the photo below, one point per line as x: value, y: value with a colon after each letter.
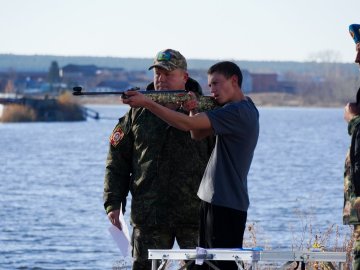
x: 234, y: 80
x: 357, y: 59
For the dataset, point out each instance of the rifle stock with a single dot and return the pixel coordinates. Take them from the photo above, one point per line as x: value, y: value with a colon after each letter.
x: 205, y: 103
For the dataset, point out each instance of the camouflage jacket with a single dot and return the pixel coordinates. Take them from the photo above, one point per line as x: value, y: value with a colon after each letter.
x: 161, y: 167
x: 351, y: 211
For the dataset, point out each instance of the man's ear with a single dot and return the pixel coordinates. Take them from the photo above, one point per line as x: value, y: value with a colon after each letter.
x: 186, y: 76
x: 234, y: 80
x: 357, y: 59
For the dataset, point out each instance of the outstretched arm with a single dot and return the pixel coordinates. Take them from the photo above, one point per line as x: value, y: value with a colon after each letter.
x: 178, y: 120
x: 200, y: 134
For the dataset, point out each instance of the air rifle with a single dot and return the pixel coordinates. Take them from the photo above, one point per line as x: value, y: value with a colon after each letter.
x: 205, y: 103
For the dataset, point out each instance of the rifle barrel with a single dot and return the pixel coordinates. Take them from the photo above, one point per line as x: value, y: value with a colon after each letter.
x: 205, y: 103
x: 77, y: 91
x: 96, y: 93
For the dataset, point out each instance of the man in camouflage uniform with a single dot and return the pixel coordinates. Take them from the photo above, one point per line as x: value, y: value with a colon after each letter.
x: 351, y: 214
x: 162, y: 168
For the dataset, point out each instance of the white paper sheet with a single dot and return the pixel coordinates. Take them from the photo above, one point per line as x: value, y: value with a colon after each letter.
x: 121, y: 237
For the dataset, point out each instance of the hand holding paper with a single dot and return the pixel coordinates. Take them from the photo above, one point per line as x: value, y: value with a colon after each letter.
x: 121, y: 237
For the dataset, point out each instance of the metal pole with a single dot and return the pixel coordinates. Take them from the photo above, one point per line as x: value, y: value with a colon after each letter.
x: 153, y: 264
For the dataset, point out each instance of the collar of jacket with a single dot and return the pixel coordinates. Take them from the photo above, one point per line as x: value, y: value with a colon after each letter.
x: 353, y: 124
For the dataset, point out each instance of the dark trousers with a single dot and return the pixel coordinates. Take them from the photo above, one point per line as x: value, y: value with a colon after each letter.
x: 158, y: 237
x: 221, y: 227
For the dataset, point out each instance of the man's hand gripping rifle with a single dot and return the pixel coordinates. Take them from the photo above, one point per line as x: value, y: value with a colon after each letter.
x: 205, y: 103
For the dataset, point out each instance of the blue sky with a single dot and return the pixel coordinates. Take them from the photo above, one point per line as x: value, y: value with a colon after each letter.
x: 298, y: 30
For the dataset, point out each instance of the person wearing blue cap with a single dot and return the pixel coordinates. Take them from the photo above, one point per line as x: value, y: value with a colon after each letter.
x: 354, y: 30
x: 351, y: 210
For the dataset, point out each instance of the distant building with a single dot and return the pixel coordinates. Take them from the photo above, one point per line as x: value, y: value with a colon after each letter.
x: 79, y: 70
x: 90, y: 76
x: 112, y: 86
x: 288, y: 86
x: 110, y: 79
x: 247, y: 83
x: 272, y: 82
x: 262, y: 82
x: 29, y: 80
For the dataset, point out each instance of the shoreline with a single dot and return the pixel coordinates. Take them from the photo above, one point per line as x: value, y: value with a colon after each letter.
x: 260, y: 99
x: 290, y: 100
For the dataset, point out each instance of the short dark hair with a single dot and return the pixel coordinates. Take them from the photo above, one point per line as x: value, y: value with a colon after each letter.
x: 227, y: 69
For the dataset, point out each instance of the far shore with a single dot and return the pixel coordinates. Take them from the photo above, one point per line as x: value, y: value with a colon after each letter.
x: 260, y: 99
x: 290, y: 100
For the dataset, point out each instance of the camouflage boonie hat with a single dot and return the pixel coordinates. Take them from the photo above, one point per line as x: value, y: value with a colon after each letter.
x: 170, y: 60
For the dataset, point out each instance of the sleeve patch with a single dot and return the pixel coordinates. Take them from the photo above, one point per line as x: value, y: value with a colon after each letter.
x: 116, y: 136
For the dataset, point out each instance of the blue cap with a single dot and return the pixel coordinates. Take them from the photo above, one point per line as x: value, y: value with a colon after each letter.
x: 354, y: 30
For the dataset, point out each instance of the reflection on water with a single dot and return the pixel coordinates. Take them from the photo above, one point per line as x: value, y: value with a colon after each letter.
x: 52, y: 179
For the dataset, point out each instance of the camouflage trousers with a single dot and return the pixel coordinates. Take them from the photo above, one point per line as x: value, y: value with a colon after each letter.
x: 356, y: 249
x: 145, y: 238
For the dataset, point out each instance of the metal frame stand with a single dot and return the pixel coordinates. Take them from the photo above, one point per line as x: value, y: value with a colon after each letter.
x: 251, y: 256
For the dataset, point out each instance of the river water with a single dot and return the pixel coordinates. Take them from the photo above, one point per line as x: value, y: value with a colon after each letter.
x: 51, y: 181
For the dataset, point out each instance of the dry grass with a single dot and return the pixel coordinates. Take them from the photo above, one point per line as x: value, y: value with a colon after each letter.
x: 70, y: 109
x: 18, y: 113
x: 66, y: 98
x: 309, y: 238
x: 64, y: 108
